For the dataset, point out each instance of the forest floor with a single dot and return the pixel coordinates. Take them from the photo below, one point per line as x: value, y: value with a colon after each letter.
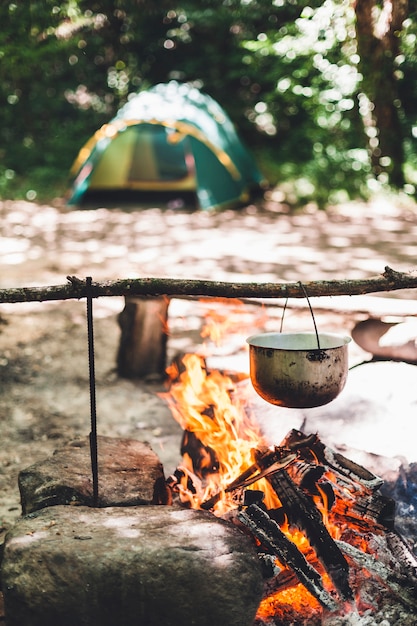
x: 44, y: 391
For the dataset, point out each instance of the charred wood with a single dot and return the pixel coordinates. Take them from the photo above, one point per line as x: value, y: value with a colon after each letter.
x: 286, y: 578
x: 269, y: 461
x: 178, y: 478
x: 315, y: 450
x: 354, y: 488
x: 402, y: 552
x: 253, y: 496
x: 303, y: 514
x: 270, y: 567
x: 403, y: 586
x: 350, y: 469
x: 204, y: 458
x: 271, y: 536
x: 365, y: 509
x: 235, y: 484
x: 306, y: 475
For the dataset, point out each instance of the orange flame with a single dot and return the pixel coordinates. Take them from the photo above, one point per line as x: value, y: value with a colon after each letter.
x: 233, y: 319
x: 206, y: 405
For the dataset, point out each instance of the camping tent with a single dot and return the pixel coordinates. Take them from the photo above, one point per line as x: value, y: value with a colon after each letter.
x: 168, y: 138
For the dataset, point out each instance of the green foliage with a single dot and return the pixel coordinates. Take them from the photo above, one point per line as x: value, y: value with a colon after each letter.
x: 285, y: 71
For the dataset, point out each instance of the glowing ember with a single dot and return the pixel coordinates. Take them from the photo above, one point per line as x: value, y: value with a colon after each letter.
x: 297, y: 597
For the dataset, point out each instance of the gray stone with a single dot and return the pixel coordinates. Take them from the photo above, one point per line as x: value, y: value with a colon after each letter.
x: 130, y: 474
x: 133, y: 566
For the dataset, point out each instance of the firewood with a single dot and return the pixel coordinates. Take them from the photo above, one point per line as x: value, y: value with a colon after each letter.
x: 403, y: 586
x: 271, y: 536
x: 270, y: 460
x: 286, y: 578
x: 303, y: 514
x: 315, y: 450
x: 306, y: 475
x: 403, y: 553
x: 373, y: 510
x: 350, y: 469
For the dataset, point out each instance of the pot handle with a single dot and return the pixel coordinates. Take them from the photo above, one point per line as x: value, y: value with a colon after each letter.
x: 313, y: 356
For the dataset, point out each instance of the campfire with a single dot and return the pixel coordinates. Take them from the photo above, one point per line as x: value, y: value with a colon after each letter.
x: 323, y: 531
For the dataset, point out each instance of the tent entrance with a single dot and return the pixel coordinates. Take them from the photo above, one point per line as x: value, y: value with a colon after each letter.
x: 146, y: 156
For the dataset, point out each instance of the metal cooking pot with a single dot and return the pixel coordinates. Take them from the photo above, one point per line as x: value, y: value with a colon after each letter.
x: 298, y: 370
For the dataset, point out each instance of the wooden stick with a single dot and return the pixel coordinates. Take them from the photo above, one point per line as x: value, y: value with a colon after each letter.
x: 390, y: 280
x: 278, y: 457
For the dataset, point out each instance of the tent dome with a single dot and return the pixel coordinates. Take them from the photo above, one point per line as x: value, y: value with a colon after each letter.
x: 171, y: 137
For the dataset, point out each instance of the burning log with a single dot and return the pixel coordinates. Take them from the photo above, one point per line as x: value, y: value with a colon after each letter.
x: 300, y: 509
x: 399, y: 547
x: 401, y: 585
x: 306, y: 475
x: 318, y: 452
x: 352, y: 496
x: 354, y: 488
x: 271, y: 537
x: 374, y: 509
x: 204, y: 457
x: 303, y: 514
x: 287, y: 578
x: 272, y: 460
x: 267, y: 462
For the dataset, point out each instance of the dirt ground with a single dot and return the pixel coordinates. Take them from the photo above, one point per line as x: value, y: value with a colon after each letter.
x: 44, y: 392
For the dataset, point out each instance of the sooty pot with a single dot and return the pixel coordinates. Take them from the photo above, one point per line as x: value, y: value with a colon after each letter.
x: 298, y: 370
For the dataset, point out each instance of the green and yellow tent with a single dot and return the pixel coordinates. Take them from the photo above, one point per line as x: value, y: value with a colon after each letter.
x: 170, y: 138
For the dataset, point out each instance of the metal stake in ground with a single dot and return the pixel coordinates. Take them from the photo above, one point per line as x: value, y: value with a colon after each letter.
x: 93, y: 407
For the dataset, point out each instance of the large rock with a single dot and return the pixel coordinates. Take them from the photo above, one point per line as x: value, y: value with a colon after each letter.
x: 141, y: 566
x: 130, y: 473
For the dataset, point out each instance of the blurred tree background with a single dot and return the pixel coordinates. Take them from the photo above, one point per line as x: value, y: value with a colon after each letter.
x: 324, y: 93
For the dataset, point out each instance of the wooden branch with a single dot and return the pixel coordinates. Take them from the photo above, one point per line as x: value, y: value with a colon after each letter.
x: 390, y: 280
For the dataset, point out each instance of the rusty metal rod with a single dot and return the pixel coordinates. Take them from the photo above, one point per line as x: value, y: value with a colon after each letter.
x: 93, y: 406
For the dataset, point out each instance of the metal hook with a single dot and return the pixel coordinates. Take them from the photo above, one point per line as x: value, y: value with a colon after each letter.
x: 283, y: 314
x: 319, y: 354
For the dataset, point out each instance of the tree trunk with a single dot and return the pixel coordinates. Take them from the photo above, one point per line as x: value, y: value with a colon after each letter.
x: 378, y: 46
x: 144, y: 335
